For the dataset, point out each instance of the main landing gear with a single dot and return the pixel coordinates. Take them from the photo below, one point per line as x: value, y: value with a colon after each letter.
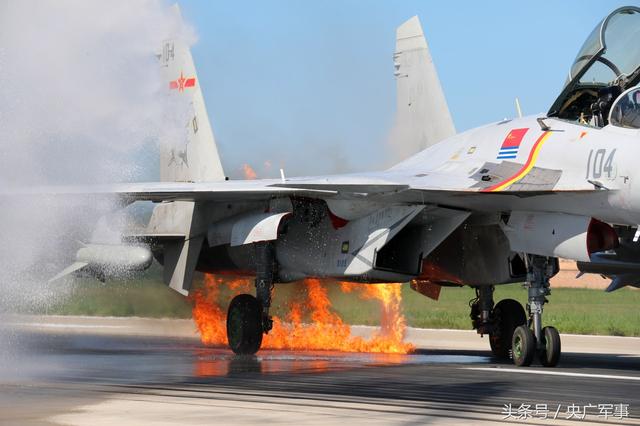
x: 511, y: 334
x: 499, y: 321
x: 248, y: 316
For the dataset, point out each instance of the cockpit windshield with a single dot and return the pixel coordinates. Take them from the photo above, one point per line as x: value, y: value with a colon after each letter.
x: 607, y: 64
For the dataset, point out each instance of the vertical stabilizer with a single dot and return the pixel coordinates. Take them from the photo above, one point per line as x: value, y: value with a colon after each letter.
x: 423, y: 117
x: 190, y: 155
x: 193, y: 157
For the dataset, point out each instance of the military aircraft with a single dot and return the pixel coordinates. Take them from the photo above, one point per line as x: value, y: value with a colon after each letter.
x: 493, y: 205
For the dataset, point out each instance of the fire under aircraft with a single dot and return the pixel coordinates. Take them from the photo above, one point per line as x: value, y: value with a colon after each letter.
x: 494, y: 205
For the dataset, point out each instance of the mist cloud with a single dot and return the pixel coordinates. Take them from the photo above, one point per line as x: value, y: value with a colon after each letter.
x: 81, y: 102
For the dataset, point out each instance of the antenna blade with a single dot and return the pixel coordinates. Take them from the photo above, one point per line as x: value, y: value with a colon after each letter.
x: 518, y: 110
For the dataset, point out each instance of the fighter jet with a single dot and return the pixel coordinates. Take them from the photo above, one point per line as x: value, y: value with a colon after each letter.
x: 494, y: 205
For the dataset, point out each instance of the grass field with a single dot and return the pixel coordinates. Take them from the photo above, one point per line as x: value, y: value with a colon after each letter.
x: 570, y: 310
x: 579, y: 311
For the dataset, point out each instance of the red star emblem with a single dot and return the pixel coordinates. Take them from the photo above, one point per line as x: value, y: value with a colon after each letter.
x: 182, y: 83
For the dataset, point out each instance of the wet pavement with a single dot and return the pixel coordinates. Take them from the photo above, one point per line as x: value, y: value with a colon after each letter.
x: 56, y: 377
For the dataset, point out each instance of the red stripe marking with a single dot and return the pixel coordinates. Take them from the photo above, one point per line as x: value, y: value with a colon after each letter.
x: 523, y: 168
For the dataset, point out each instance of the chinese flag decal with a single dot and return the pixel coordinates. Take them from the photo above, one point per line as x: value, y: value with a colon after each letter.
x: 182, y: 83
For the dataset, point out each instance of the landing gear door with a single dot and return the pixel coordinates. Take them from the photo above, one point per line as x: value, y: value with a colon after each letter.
x: 362, y: 238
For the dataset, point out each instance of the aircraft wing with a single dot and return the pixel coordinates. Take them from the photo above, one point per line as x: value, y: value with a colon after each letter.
x: 456, y: 191
x: 180, y: 222
x: 174, y: 191
x: 436, y: 188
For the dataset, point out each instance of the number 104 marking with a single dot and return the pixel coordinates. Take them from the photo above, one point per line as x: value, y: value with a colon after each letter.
x: 597, y: 165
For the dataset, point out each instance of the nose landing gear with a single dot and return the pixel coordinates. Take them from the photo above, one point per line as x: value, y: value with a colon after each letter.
x: 532, y: 339
x: 248, y: 316
x: 511, y: 335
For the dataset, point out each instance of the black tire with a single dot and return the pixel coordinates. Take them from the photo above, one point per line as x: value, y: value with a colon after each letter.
x: 508, y: 314
x: 523, y: 346
x: 550, y: 354
x: 244, y: 325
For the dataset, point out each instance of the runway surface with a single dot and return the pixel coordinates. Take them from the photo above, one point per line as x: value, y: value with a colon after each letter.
x: 84, y: 371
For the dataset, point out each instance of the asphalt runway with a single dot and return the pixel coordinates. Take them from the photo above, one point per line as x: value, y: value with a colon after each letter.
x: 78, y: 374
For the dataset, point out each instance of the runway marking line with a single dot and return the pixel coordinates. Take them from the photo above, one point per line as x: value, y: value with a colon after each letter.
x: 553, y: 373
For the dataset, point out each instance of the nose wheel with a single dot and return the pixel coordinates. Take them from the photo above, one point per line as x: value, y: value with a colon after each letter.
x: 525, y: 347
x: 551, y: 347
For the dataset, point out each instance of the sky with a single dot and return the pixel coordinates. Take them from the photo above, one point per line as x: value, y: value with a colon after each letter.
x: 309, y: 86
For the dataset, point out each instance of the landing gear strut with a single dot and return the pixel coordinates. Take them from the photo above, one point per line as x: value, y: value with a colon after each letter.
x: 532, y: 339
x: 248, y: 316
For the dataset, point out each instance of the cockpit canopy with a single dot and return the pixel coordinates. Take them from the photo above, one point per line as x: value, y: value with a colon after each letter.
x: 626, y: 110
x: 607, y: 65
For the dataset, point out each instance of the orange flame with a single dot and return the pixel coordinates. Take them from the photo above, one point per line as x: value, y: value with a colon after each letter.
x: 249, y: 173
x: 325, y: 331
x: 393, y: 325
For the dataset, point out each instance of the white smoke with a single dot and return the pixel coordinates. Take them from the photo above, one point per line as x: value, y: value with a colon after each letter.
x: 81, y: 102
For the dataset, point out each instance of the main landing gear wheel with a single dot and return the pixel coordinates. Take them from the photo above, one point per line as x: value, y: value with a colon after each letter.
x: 523, y: 346
x: 508, y: 314
x: 244, y: 325
x: 248, y: 317
x: 550, y: 351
